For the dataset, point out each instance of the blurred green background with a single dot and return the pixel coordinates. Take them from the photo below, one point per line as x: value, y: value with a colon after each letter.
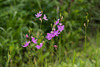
x: 17, y: 17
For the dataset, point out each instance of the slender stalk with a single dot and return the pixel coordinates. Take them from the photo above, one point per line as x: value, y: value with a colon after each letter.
x: 86, y: 25
x: 52, y: 51
x: 85, y: 38
x: 29, y: 50
x: 59, y: 47
x: 41, y: 58
x: 41, y: 48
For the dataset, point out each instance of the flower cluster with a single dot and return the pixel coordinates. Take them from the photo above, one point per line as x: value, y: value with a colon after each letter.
x: 50, y: 35
x: 38, y: 15
x: 55, y: 32
x: 32, y: 40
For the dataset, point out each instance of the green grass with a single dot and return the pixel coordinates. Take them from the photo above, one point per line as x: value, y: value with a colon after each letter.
x: 17, y: 18
x: 16, y: 55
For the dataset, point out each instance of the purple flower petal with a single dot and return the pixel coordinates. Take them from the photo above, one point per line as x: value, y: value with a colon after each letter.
x: 45, y: 18
x: 33, y: 40
x: 56, y: 33
x: 38, y: 14
x: 49, y: 36
x: 57, y: 22
x: 26, y: 44
x: 60, y: 28
x: 39, y: 46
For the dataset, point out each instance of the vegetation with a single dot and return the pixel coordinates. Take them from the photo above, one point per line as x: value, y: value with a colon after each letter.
x: 78, y: 45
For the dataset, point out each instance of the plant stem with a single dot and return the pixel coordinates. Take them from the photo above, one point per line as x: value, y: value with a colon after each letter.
x: 85, y: 39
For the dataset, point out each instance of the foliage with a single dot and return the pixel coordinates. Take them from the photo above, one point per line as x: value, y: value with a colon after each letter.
x: 17, y: 17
